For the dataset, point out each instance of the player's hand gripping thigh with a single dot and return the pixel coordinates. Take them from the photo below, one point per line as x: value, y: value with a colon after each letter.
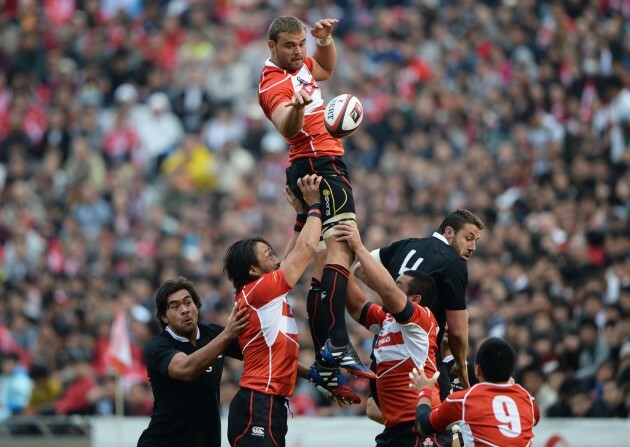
x: 338, y: 252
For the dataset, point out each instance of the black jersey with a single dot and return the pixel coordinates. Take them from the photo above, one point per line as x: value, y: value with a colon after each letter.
x: 433, y: 256
x: 184, y: 413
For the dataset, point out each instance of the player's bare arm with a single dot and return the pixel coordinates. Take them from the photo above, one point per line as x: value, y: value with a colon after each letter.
x: 325, y: 55
x: 288, y: 117
x: 355, y: 299
x: 188, y: 367
x: 393, y: 298
x: 306, y: 243
x: 359, y: 273
x: 300, y: 209
x: 457, y: 321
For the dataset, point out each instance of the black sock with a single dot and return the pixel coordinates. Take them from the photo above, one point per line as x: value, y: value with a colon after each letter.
x: 333, y: 290
x: 316, y: 319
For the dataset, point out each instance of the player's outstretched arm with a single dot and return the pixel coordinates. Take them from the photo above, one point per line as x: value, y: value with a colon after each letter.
x: 306, y: 243
x: 457, y: 321
x: 188, y: 367
x: 325, y: 55
x: 393, y: 298
x: 288, y: 117
x: 301, y: 211
x: 424, y: 386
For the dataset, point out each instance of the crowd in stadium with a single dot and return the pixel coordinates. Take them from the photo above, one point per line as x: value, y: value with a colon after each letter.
x: 133, y: 150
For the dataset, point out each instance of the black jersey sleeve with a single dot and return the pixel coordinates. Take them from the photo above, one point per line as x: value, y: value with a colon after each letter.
x: 453, y: 292
x: 234, y: 350
x: 158, y: 354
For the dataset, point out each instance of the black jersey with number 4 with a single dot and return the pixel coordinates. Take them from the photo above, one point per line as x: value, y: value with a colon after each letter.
x: 433, y: 256
x: 184, y: 413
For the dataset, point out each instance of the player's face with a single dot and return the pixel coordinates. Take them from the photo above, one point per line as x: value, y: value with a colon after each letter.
x: 464, y: 241
x: 268, y: 261
x: 289, y: 52
x: 182, y: 314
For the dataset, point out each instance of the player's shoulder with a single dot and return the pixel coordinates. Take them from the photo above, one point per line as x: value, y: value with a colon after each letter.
x: 271, y: 75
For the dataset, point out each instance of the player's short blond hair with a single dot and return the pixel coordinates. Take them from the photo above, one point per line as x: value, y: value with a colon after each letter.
x: 285, y: 24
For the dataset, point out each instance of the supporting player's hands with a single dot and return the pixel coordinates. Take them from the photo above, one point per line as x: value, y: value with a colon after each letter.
x: 419, y: 380
x: 299, y: 100
x: 350, y: 233
x: 298, y: 205
x: 237, y: 321
x: 323, y: 28
x: 309, y: 186
x: 461, y: 371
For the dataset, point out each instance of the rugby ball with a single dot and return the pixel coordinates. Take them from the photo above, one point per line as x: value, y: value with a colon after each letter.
x: 343, y: 115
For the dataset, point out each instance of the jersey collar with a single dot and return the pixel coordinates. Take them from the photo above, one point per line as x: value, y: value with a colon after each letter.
x: 440, y: 237
x: 182, y: 339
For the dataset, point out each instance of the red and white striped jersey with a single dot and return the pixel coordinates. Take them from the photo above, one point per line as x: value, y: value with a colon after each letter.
x: 492, y: 415
x: 400, y: 347
x: 269, y: 342
x: 277, y: 86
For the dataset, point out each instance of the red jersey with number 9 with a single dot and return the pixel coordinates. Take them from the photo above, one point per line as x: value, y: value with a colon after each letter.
x: 496, y: 415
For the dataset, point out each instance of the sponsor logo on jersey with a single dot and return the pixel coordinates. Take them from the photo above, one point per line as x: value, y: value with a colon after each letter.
x: 258, y: 431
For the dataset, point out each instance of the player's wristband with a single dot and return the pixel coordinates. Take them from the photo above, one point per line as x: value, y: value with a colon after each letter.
x: 315, y: 210
x: 325, y: 41
x: 300, y: 220
x: 425, y: 392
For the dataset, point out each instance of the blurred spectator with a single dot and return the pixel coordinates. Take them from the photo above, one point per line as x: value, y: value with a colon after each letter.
x: 15, y: 386
x: 516, y: 111
x: 80, y: 393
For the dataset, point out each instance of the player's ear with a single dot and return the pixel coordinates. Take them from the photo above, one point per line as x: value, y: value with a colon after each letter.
x: 272, y: 45
x: 449, y: 234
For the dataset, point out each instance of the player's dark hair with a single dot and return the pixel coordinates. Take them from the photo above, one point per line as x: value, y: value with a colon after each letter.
x: 285, y: 24
x: 167, y: 289
x: 239, y: 258
x: 457, y: 219
x: 423, y: 285
x: 496, y: 358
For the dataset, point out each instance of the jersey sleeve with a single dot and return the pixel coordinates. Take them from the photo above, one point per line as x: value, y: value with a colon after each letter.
x: 267, y: 288
x: 453, y: 293
x: 275, y: 90
x: 372, y: 314
x: 447, y: 412
x: 158, y: 354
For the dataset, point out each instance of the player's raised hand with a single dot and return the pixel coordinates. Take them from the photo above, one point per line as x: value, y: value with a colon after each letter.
x: 419, y: 380
x: 323, y: 28
x: 299, y: 100
x: 237, y: 321
x: 309, y: 186
x: 350, y: 233
x: 298, y: 205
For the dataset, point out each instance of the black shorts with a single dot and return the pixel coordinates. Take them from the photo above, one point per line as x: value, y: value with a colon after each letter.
x: 401, y: 435
x: 257, y: 420
x: 335, y: 190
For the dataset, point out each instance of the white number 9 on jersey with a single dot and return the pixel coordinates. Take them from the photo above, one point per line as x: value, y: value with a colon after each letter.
x: 506, y: 412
